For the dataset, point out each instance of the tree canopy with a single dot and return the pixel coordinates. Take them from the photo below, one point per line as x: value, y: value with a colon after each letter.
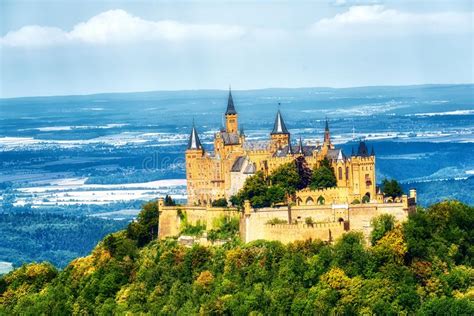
x: 323, y: 176
x: 391, y: 188
x: 421, y: 267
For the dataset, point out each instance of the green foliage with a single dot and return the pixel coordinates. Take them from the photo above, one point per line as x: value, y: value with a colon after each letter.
x: 444, y: 231
x: 286, y: 177
x: 276, y: 221
x: 226, y: 228
x: 422, y: 268
x: 309, y: 221
x: 36, y: 236
x: 304, y: 173
x: 259, y: 193
x: 169, y: 201
x: 380, y: 226
x: 391, y: 188
x: 145, y: 228
x: 323, y: 176
x: 365, y: 199
x: 220, y: 203
x: 193, y: 230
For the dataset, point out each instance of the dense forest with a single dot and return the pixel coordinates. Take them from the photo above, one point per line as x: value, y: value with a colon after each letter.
x: 423, y: 266
x: 32, y: 235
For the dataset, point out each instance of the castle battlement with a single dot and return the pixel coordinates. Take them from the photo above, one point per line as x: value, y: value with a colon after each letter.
x: 306, y: 226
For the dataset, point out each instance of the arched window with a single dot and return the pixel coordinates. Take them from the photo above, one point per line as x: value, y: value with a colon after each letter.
x: 321, y: 200
x: 366, y: 198
x: 309, y: 201
x: 339, y: 171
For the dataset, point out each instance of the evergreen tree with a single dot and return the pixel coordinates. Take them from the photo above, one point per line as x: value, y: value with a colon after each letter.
x: 304, y: 173
x: 391, y: 188
x: 169, y: 201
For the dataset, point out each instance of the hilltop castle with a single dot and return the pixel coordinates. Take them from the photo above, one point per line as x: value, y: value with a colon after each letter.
x: 221, y: 174
x: 323, y: 214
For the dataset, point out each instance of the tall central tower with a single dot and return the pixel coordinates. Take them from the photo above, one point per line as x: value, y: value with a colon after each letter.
x: 231, y: 120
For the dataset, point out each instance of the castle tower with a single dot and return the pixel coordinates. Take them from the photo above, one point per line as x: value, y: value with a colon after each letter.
x: 231, y: 122
x: 327, y: 140
x: 363, y: 173
x: 194, y: 154
x: 327, y: 136
x: 280, y: 136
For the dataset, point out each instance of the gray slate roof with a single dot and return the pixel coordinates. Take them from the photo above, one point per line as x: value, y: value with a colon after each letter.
x: 279, y: 127
x: 194, y: 141
x: 230, y: 138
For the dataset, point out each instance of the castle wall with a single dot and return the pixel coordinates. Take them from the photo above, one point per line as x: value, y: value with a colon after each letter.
x: 329, y: 220
x: 289, y: 233
x: 170, y: 220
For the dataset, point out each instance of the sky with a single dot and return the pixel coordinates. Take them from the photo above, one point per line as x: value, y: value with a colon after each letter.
x: 83, y: 47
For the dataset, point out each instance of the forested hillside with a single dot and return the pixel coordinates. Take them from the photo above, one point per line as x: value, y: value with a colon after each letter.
x: 424, y: 266
x: 36, y: 236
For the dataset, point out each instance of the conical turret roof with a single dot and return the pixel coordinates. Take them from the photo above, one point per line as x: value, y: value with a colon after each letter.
x: 194, y: 141
x: 230, y: 105
x: 279, y: 127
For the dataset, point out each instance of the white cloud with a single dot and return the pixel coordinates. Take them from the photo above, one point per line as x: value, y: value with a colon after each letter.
x: 117, y: 26
x: 377, y: 19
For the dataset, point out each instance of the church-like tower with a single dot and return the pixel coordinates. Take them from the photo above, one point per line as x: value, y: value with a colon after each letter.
x: 280, y: 136
x: 231, y: 116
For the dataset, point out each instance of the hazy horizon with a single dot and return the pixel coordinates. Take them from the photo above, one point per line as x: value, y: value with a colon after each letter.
x: 243, y: 90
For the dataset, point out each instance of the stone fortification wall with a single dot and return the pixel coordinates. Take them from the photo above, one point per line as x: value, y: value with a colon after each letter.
x: 171, y: 217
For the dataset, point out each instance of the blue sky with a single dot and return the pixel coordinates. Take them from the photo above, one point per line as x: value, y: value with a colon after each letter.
x: 83, y: 47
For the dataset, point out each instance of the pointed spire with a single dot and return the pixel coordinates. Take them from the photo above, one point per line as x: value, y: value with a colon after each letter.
x: 327, y: 137
x: 340, y: 156
x: 230, y: 105
x: 290, y: 149
x: 279, y: 127
x: 372, y: 152
x: 300, y: 149
x: 242, y: 133
x: 194, y: 141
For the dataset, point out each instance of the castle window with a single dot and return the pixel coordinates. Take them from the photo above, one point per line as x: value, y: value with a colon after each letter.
x: 347, y: 173
x: 339, y: 171
x: 368, y: 181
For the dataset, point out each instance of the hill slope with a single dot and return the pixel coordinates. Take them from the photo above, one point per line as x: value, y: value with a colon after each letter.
x: 424, y: 266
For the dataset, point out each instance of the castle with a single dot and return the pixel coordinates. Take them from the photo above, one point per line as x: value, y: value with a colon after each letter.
x: 315, y: 214
x: 221, y: 174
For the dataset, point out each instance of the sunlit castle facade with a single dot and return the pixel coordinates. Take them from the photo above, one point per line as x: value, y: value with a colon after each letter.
x: 221, y: 173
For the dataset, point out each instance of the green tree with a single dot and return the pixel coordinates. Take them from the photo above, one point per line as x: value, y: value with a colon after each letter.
x: 145, y: 228
x: 169, y: 201
x: 286, y: 177
x: 380, y: 226
x: 391, y: 188
x: 220, y: 203
x: 304, y: 173
x: 323, y: 176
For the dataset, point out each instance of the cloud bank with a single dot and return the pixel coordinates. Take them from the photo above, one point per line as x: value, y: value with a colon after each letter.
x: 118, y: 26
x: 379, y: 20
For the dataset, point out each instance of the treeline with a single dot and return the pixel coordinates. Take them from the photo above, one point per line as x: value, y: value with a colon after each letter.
x: 34, y: 236
x: 424, y: 266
